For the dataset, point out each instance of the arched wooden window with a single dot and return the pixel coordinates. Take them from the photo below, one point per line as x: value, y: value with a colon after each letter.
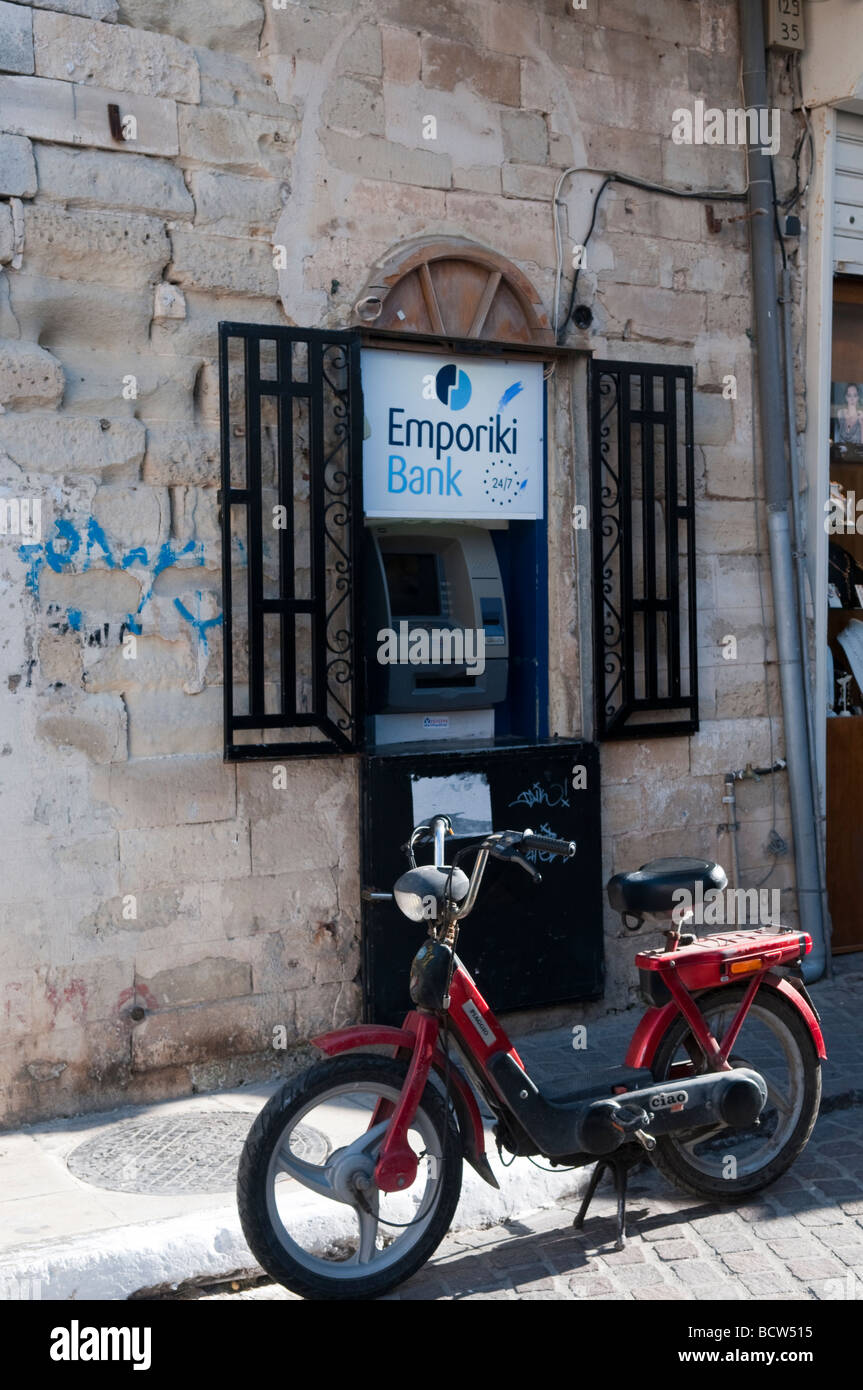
x: 454, y: 288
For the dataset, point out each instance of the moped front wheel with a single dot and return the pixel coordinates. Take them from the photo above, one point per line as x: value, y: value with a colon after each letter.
x: 310, y: 1210
x: 725, y: 1164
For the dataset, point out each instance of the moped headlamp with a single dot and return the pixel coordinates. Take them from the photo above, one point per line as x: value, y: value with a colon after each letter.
x: 420, y: 893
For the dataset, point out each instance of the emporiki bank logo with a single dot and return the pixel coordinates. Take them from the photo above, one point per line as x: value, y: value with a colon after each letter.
x: 453, y: 386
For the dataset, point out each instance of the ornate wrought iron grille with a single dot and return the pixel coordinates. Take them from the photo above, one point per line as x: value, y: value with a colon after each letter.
x: 291, y: 517
x: 643, y: 523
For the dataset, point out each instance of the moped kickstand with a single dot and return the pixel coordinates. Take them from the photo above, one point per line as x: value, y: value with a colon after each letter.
x: 620, y: 1164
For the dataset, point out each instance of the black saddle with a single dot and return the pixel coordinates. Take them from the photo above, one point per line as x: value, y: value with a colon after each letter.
x: 648, y: 891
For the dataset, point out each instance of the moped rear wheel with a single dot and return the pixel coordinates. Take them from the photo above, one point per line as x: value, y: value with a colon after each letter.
x: 725, y: 1164
x: 310, y: 1210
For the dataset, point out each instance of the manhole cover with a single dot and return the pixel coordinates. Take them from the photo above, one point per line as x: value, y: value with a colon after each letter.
x: 188, y: 1153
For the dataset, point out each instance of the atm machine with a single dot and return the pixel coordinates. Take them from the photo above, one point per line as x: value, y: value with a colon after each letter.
x: 456, y: 674
x: 437, y: 632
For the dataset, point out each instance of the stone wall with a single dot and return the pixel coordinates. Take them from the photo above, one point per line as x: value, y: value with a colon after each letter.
x: 163, y: 912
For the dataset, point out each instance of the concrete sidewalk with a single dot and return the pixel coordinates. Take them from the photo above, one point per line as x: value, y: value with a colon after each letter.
x: 62, y: 1237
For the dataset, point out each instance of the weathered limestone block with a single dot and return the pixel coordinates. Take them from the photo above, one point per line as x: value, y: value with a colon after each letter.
x: 179, y: 1037
x: 111, y: 248
x: 664, y: 316
x: 742, y: 691
x: 466, y: 129
x: 671, y: 801
x: 60, y: 659
x: 16, y: 38
x: 222, y: 265
x: 230, y: 24
x: 703, y: 166
x: 74, y: 114
x: 132, y: 515
x: 90, y: 178
x: 180, y: 454
x: 493, y: 75
x: 619, y: 53
x: 50, y: 444
x: 524, y: 181
x: 198, y: 982
x: 233, y: 206
x: 640, y: 762
x: 245, y: 141
x: 101, y: 595
x: 229, y: 81
x: 516, y: 29
x: 737, y: 581
x: 641, y: 213
x: 93, y: 724
x: 488, y: 180
x: 726, y: 527
x: 173, y: 791
x: 327, y: 1007
x: 30, y: 377
x: 90, y: 9
x: 152, y: 386
x: 163, y: 722
x: 300, y: 901
x: 463, y: 20
x: 17, y: 167
x: 622, y: 807
x: 66, y: 996
x: 725, y: 744
x: 128, y: 60
x: 713, y: 418
x: 525, y: 137
x: 630, y: 151
x: 62, y: 312
x: 158, y: 664
x: 363, y: 53
x: 528, y: 237
x: 354, y: 105
x: 675, y: 20
x: 171, y: 854
x: 401, y: 55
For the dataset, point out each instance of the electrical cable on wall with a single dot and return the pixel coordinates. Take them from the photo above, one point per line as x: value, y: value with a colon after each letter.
x: 612, y: 176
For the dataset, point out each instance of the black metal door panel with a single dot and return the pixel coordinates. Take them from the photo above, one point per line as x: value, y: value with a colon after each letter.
x: 527, y: 945
x: 292, y: 520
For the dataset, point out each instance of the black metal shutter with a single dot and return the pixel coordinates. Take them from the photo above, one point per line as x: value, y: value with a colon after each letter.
x: 291, y: 439
x: 643, y: 524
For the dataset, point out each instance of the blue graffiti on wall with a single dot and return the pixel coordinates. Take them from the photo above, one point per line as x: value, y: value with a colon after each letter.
x: 60, y: 552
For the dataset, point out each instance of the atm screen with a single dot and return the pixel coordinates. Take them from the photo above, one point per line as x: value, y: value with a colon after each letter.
x: 414, y: 584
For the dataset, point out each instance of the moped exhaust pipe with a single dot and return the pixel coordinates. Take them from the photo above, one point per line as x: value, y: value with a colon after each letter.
x: 734, y: 1098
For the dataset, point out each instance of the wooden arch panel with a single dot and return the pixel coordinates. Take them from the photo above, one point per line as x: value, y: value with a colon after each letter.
x: 454, y: 288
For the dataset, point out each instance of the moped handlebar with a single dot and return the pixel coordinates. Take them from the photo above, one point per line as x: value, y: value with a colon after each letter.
x: 548, y: 844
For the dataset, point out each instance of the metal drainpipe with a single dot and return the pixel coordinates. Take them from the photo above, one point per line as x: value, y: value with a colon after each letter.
x: 776, y: 489
x: 800, y: 575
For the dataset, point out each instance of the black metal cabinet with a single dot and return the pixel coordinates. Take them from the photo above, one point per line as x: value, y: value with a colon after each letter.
x: 528, y: 945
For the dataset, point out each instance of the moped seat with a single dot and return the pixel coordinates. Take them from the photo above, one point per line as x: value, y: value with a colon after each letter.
x: 648, y: 891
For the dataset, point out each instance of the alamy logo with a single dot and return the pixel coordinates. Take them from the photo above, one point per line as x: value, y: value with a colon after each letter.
x: 77, y: 1343
x: 738, y: 126
x: 726, y: 907
x: 453, y: 387
x: 436, y: 646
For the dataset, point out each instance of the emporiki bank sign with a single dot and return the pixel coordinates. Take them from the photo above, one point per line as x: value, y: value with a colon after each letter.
x: 452, y: 438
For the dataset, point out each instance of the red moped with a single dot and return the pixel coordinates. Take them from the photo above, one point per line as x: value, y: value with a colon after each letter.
x: 351, y: 1174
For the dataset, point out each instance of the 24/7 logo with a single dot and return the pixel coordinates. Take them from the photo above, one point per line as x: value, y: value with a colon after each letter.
x: 453, y: 387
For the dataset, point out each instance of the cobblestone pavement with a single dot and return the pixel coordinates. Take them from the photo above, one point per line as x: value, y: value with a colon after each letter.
x: 802, y: 1241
